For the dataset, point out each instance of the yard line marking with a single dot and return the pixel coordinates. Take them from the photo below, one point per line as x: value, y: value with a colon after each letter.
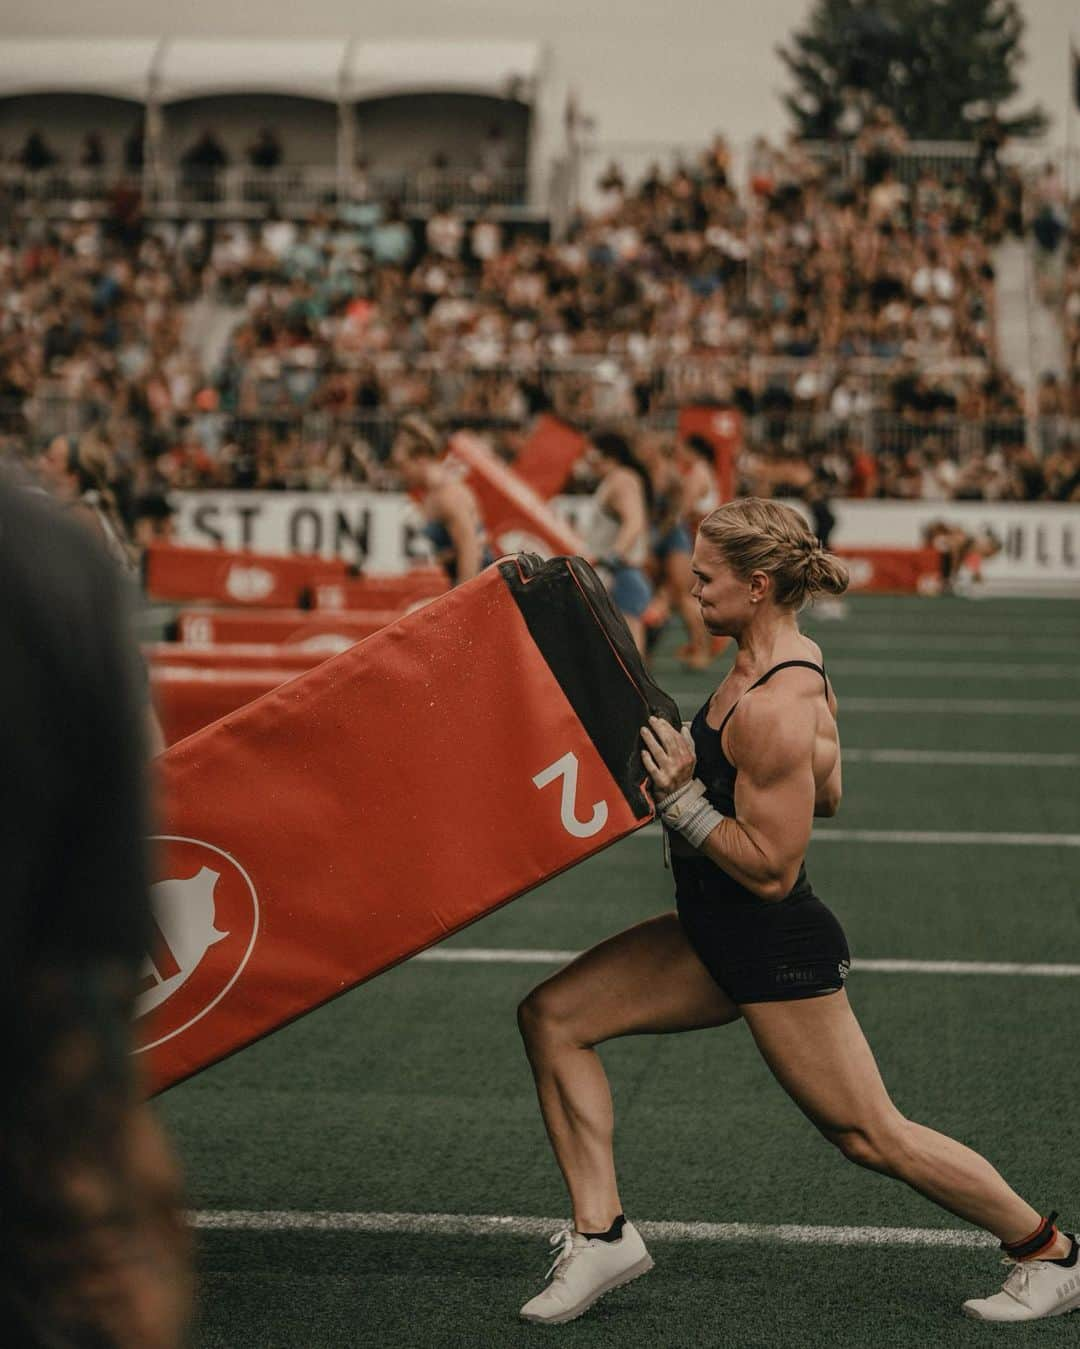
x: 501, y: 955
x: 939, y: 836
x: 827, y: 835
x: 920, y: 642
x: 972, y: 758
x: 950, y: 669
x: 494, y: 1225
x: 994, y: 707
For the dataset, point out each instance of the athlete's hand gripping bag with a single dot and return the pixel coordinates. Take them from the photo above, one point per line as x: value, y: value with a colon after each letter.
x: 387, y: 798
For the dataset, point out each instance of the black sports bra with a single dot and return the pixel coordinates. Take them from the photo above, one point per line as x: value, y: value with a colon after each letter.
x: 783, y: 665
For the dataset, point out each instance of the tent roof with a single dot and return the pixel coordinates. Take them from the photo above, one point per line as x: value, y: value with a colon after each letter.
x: 499, y: 69
x: 316, y: 68
x: 205, y: 67
x: 115, y: 67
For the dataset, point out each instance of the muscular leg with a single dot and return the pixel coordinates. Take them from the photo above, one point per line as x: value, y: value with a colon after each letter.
x: 818, y: 1053
x: 646, y: 980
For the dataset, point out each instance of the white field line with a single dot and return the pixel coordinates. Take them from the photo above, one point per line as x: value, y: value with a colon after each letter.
x: 952, y: 669
x: 494, y: 1225
x: 983, y: 707
x: 920, y: 643
x: 495, y: 955
x: 933, y: 836
x: 966, y: 758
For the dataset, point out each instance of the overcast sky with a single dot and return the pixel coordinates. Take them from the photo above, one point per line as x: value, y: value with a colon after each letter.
x: 645, y: 69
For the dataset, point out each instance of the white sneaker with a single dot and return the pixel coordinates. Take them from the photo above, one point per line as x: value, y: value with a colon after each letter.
x: 583, y: 1271
x: 1034, y: 1288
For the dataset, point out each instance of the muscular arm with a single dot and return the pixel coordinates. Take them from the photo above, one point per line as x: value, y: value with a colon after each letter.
x: 771, y: 742
x: 772, y: 747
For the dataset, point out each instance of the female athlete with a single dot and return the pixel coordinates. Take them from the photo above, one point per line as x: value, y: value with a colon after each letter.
x: 750, y: 939
x: 619, y: 534
x: 453, y: 523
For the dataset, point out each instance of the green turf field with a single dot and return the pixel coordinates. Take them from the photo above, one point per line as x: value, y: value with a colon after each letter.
x: 411, y: 1096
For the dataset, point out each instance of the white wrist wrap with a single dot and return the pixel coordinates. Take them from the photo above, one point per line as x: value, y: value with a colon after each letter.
x: 689, y: 812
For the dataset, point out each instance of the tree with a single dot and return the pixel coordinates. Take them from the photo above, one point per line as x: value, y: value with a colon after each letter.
x: 940, y: 66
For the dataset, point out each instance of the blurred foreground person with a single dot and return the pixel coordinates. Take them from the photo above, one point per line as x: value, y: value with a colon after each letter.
x: 93, y: 1249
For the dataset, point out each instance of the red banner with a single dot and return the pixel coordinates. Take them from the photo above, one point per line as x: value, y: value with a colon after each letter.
x: 546, y: 460
x: 516, y: 517
x: 897, y: 571
x: 383, y: 800
x: 259, y: 580
x: 722, y: 428
x: 314, y: 631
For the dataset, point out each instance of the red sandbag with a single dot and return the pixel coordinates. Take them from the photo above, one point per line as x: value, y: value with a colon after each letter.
x: 546, y: 460
x: 249, y: 579
x: 722, y: 428
x: 325, y: 631
x: 383, y: 592
x: 396, y: 793
x: 188, y: 698
x: 233, y: 656
x: 515, y: 516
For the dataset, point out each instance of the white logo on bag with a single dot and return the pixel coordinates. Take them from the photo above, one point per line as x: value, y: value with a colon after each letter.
x: 205, y: 922
x: 184, y: 913
x: 249, y: 583
x: 567, y: 769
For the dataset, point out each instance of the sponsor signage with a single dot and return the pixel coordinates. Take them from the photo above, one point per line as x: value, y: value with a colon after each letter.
x: 381, y: 531
x: 1040, y: 542
x: 1037, y: 543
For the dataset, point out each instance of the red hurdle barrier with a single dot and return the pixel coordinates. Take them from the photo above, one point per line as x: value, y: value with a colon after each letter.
x: 251, y: 580
x: 188, y: 698
x: 232, y: 656
x: 374, y: 805
x: 895, y: 571
x: 315, y: 630
x: 382, y: 592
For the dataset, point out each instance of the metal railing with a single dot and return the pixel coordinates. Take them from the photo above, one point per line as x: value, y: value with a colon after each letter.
x: 239, y: 193
x: 31, y: 423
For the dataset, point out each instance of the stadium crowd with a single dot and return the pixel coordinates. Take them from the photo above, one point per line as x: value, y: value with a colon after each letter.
x: 849, y: 316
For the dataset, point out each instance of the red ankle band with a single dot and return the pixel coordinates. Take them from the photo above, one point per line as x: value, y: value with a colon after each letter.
x: 1035, y: 1243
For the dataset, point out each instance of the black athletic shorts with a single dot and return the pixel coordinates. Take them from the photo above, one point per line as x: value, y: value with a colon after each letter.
x: 760, y: 950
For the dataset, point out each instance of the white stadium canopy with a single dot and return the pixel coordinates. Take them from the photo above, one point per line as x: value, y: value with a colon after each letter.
x: 208, y: 67
x: 383, y: 69
x: 111, y: 67
x: 328, y: 69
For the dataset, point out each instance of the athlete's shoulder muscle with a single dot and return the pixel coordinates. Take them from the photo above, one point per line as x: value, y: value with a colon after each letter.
x: 772, y: 734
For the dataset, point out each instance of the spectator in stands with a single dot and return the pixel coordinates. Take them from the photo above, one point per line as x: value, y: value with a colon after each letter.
x: 92, y: 154
x: 265, y: 151
x: 37, y: 154
x: 201, y: 163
